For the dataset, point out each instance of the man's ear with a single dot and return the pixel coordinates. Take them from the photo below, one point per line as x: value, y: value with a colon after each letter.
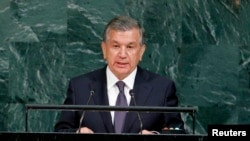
x: 103, y: 45
x: 142, y: 50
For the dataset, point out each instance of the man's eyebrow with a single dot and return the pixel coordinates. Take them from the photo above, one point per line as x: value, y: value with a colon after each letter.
x: 114, y: 41
x: 131, y: 43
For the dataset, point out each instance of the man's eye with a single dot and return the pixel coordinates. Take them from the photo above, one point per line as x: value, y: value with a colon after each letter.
x: 116, y: 46
x: 129, y: 46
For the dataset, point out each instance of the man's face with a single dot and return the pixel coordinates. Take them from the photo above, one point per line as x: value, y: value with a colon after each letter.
x: 123, y: 51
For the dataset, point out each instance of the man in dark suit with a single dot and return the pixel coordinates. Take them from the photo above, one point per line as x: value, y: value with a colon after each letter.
x: 123, y: 47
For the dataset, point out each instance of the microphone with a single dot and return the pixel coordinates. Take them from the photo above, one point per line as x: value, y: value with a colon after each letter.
x: 83, y: 114
x: 131, y: 92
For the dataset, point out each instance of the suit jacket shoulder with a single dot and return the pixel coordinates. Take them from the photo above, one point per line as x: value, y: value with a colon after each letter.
x: 92, y: 75
x: 149, y: 76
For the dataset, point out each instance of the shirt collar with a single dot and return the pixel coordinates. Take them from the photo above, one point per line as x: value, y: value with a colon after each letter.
x: 112, y: 79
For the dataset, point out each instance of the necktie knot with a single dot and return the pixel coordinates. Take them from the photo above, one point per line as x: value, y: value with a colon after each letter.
x: 120, y: 85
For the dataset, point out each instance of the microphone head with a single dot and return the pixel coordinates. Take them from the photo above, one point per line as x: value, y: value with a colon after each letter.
x: 92, y: 92
x: 92, y: 88
x: 131, y: 92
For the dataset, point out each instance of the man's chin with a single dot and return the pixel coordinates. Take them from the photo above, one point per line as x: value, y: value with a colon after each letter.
x: 122, y: 71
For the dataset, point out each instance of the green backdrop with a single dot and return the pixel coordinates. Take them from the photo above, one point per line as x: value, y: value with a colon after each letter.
x: 203, y: 45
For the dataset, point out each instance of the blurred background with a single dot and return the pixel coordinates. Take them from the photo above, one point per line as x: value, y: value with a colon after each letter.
x: 203, y: 45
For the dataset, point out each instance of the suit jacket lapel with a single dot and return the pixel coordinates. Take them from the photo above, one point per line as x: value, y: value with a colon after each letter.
x: 101, y: 98
x: 141, y: 91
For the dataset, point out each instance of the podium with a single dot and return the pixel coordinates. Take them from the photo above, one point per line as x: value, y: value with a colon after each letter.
x: 66, y: 136
x: 98, y: 108
x: 27, y: 136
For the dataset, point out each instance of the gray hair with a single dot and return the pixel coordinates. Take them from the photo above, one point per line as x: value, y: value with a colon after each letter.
x: 123, y: 23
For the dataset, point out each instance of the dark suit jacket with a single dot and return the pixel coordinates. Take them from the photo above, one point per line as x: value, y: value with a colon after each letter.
x: 149, y: 89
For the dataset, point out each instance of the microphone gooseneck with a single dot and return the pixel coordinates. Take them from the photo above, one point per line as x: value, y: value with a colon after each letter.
x: 131, y: 92
x: 83, y: 114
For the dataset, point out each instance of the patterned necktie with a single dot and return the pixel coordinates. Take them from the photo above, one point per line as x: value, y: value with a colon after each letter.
x: 120, y: 101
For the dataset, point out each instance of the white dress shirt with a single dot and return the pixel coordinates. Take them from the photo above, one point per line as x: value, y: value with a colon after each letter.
x: 113, y: 90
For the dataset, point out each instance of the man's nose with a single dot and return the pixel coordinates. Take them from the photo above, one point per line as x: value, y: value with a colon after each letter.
x: 123, y: 52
